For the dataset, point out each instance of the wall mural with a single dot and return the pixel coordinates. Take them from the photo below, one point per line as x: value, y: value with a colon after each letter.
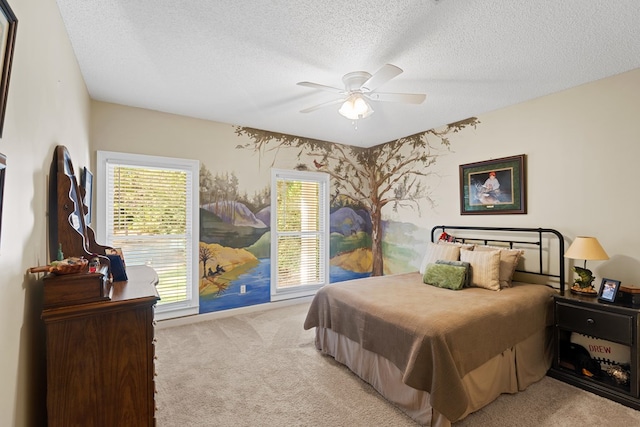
x: 234, y: 254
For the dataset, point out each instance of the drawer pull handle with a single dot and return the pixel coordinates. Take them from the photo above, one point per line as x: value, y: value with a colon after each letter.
x: 591, y: 321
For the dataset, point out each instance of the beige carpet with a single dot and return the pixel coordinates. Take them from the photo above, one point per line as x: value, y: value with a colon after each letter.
x: 262, y: 369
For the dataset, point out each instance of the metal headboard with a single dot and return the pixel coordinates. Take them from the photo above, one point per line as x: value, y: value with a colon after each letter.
x: 531, y: 237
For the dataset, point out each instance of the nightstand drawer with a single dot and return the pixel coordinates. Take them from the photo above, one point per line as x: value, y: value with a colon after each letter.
x: 609, y: 326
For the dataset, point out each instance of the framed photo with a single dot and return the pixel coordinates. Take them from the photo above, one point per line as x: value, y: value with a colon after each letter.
x: 608, y: 290
x: 87, y: 186
x: 8, y: 25
x: 493, y: 187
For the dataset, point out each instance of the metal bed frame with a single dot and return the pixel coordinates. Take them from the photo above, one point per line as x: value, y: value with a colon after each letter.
x: 535, y: 238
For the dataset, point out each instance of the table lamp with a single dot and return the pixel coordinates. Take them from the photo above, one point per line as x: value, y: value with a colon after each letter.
x: 588, y: 249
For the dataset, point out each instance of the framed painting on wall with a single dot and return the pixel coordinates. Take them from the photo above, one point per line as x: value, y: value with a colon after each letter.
x: 8, y: 25
x: 494, y: 186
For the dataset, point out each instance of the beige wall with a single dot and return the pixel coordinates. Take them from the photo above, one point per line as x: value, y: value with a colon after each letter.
x: 583, y: 149
x: 48, y: 104
x: 139, y: 131
x: 581, y: 144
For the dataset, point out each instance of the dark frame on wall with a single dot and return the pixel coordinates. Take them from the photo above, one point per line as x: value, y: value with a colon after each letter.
x: 3, y: 171
x: 494, y: 186
x: 8, y: 26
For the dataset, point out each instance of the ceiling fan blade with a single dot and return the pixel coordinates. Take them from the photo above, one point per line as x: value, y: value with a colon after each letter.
x: 324, y: 104
x: 322, y: 87
x: 409, y: 98
x: 383, y: 75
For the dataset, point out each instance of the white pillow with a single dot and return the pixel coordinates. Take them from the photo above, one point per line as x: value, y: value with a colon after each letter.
x: 436, y: 252
x: 463, y: 246
x: 485, y: 268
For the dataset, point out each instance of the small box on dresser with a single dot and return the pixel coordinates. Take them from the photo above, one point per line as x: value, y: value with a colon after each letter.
x: 629, y: 294
x: 78, y: 288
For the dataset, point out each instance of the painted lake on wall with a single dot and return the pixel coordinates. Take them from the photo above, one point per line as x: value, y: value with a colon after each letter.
x: 257, y: 282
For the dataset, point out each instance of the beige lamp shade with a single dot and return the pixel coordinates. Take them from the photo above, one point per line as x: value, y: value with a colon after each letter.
x: 586, y: 248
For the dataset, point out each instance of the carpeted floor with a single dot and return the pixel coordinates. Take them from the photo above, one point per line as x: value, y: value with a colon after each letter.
x: 262, y: 369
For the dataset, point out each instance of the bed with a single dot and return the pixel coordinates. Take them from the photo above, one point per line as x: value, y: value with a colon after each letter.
x: 440, y: 352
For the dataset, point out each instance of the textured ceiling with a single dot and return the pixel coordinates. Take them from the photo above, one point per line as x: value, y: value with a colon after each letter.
x: 238, y: 61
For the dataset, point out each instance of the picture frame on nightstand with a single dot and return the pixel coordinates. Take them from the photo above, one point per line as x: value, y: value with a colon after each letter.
x: 608, y: 290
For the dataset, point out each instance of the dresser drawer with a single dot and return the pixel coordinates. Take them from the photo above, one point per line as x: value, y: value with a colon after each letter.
x: 609, y: 326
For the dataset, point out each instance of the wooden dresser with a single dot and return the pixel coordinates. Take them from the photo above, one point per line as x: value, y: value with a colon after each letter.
x: 100, y: 356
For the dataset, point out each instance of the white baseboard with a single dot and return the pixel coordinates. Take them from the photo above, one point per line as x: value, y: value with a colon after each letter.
x: 186, y: 320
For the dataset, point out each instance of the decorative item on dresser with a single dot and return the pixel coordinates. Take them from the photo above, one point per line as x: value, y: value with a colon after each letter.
x: 99, y: 332
x: 629, y: 295
x: 608, y: 290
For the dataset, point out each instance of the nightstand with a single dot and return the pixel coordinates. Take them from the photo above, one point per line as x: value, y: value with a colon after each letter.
x: 614, y: 323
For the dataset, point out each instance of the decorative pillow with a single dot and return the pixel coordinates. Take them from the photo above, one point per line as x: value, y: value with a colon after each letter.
x: 436, y: 252
x: 445, y: 276
x: 462, y: 246
x: 485, y: 268
x: 465, y: 265
x: 508, y: 261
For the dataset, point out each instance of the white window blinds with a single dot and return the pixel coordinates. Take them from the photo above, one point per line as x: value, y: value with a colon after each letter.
x: 299, y: 231
x: 150, y: 216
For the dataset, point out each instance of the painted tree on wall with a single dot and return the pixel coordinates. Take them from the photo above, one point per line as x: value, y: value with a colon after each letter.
x: 393, y: 172
x: 221, y: 189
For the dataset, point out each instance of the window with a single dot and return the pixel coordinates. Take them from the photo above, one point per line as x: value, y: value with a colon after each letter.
x: 299, y: 233
x: 148, y: 206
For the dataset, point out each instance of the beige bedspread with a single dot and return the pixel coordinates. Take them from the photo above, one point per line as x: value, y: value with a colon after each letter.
x: 434, y: 336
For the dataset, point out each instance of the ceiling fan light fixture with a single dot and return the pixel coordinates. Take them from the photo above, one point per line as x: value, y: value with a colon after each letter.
x: 356, y: 107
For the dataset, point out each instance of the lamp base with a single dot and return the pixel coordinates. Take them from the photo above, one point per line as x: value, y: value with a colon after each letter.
x: 588, y: 291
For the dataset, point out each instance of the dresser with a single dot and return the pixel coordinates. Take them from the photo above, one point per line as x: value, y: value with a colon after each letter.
x: 609, y: 329
x: 100, y: 356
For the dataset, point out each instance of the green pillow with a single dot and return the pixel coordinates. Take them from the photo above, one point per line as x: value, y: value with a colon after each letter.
x: 445, y: 276
x: 466, y: 265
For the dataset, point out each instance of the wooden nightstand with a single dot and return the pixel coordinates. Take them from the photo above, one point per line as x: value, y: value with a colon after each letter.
x: 611, y: 322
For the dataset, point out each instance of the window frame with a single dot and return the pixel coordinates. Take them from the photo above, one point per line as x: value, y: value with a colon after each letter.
x: 170, y: 310
x: 294, y: 175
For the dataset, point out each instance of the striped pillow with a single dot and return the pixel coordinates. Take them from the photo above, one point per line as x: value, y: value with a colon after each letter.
x: 436, y: 252
x: 485, y: 268
x: 508, y: 262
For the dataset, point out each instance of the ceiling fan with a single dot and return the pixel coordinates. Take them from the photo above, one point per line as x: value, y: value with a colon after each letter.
x: 360, y: 87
